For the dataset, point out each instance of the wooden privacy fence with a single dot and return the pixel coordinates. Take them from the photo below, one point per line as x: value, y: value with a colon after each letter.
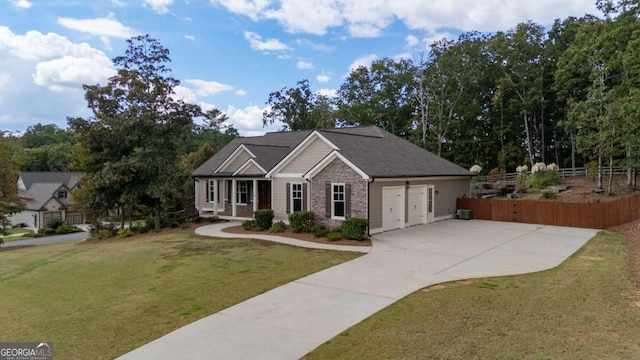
x: 587, y: 215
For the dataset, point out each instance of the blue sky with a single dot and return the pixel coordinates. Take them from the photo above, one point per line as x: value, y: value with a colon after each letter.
x: 228, y: 54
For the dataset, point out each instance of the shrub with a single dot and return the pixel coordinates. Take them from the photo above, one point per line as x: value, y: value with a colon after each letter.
x: 139, y: 228
x: 522, y: 181
x: 47, y: 231
x: 67, y: 229
x: 214, y: 219
x: 497, y: 174
x: 102, y: 234
x: 277, y: 227
x: 476, y: 169
x: 548, y: 195
x: 263, y: 219
x: 334, y: 236
x: 354, y: 228
x: 302, y: 221
x: 106, y: 228
x: 320, y: 230
x: 542, y: 179
x: 249, y: 225
x: 123, y: 233
x: 198, y: 219
x: 54, y: 223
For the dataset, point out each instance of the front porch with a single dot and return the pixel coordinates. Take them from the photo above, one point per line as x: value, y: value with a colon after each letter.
x: 232, y: 198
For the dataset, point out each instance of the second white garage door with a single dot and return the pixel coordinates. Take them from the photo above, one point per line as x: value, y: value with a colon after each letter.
x: 417, y: 206
x: 392, y: 207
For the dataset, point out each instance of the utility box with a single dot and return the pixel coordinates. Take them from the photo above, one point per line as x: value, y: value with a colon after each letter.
x: 465, y: 214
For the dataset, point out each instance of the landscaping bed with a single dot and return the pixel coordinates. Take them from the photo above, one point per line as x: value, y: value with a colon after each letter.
x: 300, y: 236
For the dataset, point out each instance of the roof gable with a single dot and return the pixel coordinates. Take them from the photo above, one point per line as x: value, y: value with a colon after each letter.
x: 313, y: 136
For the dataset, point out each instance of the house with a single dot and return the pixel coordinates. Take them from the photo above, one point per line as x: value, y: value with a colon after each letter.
x: 47, y: 195
x: 361, y: 172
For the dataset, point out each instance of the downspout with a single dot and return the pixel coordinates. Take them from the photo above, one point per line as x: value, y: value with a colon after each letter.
x: 371, y: 179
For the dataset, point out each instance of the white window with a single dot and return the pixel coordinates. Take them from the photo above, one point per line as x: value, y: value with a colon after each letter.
x: 211, y: 190
x: 337, y: 201
x: 241, y: 192
x: 62, y: 194
x: 296, y: 197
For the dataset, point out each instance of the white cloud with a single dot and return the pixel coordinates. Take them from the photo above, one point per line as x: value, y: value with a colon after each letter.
x: 364, y: 60
x: 412, y: 41
x: 4, y: 80
x: 240, y: 92
x: 100, y: 27
x: 248, y: 120
x: 330, y: 93
x: 207, y: 88
x: 256, y: 43
x: 304, y: 65
x: 404, y: 55
x: 437, y: 36
x: 323, y: 78
x: 22, y: 4
x: 368, y: 18
x: 159, y: 6
x: 190, y: 37
x: 117, y: 3
x: 68, y: 72
x: 315, y: 46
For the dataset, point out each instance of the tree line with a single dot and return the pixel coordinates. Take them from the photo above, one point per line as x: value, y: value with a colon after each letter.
x: 567, y: 95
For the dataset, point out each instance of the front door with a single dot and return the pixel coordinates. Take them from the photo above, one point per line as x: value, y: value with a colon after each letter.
x: 264, y: 194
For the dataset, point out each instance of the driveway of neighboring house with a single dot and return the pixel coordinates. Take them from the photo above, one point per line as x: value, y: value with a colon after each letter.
x: 293, y: 319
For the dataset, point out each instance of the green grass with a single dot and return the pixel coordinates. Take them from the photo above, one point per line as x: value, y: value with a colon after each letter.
x: 12, y: 231
x: 103, y: 299
x: 587, y: 308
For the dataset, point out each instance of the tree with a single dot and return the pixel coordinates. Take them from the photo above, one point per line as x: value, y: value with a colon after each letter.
x: 10, y: 202
x: 298, y: 108
x: 45, y: 148
x: 132, y: 143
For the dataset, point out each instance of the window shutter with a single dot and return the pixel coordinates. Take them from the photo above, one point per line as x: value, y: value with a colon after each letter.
x: 328, y: 200
x: 347, y: 200
x: 206, y: 184
x: 304, y: 197
x: 288, y: 198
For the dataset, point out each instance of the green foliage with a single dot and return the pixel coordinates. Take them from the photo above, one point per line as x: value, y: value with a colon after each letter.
x: 47, y: 231
x: 522, y: 182
x: 549, y: 195
x: 139, y: 228
x: 10, y: 202
x: 354, y: 228
x: 302, y: 221
x: 249, y: 225
x: 334, y: 236
x: 67, y: 229
x: 496, y: 174
x: 277, y: 227
x: 54, y: 223
x: 263, y: 219
x: 298, y: 108
x: 542, y: 179
x: 214, y: 219
x: 592, y: 170
x: 123, y: 233
x: 101, y: 230
x: 320, y: 230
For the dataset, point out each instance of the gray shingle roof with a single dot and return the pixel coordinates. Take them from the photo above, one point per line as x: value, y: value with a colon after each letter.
x: 41, y: 186
x: 68, y: 178
x: 269, y: 149
x: 375, y: 151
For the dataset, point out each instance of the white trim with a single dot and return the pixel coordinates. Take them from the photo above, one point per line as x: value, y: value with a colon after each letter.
x: 426, y: 178
x: 233, y: 156
x: 291, y: 196
x: 246, y: 165
x: 288, y: 175
x: 298, y: 149
x: 327, y: 160
x: 344, y: 201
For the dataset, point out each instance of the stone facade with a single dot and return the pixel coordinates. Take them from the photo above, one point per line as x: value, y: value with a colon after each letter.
x: 338, y: 172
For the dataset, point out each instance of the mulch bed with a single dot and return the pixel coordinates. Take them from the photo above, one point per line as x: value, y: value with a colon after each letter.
x: 300, y: 236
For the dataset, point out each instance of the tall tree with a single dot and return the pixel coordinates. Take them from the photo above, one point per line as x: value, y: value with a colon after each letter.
x: 297, y: 108
x: 45, y: 148
x: 10, y: 202
x: 134, y: 137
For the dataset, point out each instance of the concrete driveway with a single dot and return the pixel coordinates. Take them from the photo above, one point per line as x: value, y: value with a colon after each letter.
x: 291, y: 320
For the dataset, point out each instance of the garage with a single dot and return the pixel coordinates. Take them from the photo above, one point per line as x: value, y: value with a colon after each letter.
x: 417, y: 205
x: 392, y: 207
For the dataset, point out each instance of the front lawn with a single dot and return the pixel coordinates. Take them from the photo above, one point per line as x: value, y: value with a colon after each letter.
x: 103, y: 299
x: 15, y: 231
x: 587, y: 308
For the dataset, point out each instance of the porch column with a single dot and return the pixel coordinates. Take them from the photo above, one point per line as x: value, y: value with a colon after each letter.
x: 196, y: 184
x: 234, y: 190
x: 216, y: 197
x: 255, y: 195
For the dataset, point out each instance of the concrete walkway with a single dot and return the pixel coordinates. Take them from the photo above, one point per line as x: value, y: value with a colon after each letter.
x: 293, y: 319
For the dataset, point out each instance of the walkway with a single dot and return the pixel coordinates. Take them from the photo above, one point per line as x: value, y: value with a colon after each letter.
x: 293, y: 319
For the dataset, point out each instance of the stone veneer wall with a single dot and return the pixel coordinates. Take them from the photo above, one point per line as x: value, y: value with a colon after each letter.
x: 338, y: 172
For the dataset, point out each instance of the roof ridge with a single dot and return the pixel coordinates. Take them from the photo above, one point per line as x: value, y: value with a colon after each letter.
x: 379, y: 136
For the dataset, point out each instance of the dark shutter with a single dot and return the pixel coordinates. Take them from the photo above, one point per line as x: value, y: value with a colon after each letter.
x: 328, y: 200
x: 206, y: 184
x: 288, y: 198
x: 347, y: 200
x: 304, y: 197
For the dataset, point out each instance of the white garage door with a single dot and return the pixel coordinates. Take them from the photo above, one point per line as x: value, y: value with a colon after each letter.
x: 392, y: 208
x: 417, y: 205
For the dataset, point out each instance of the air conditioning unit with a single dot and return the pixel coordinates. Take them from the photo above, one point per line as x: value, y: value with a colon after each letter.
x: 465, y: 214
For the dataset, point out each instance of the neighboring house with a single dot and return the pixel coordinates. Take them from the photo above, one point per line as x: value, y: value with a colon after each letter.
x: 361, y: 172
x: 47, y: 195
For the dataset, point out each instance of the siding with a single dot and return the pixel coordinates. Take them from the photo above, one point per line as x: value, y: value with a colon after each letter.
x: 236, y: 163
x: 25, y: 217
x: 252, y: 170
x: 308, y: 158
x: 279, y: 196
x: 447, y: 191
